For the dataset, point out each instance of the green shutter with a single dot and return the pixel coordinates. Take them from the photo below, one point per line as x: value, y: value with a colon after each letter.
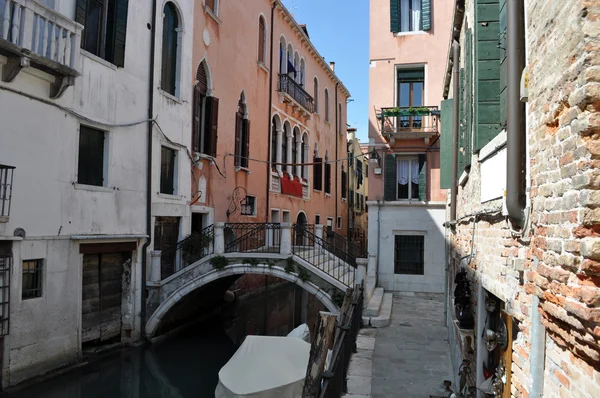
x: 120, y: 33
x: 426, y: 14
x: 390, y: 183
x: 423, y: 177
x: 461, y: 124
x: 503, y: 63
x: 394, y: 20
x: 469, y: 97
x: 446, y: 144
x: 487, y: 72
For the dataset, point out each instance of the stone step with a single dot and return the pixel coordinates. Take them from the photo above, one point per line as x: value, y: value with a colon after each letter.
x: 374, y: 303
x: 384, y: 317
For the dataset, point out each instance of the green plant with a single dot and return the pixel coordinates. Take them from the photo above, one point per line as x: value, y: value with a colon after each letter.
x: 192, y: 248
x: 419, y: 110
x: 252, y: 261
x: 303, y: 274
x: 289, y: 265
x: 338, y: 298
x: 271, y: 264
x: 218, y: 262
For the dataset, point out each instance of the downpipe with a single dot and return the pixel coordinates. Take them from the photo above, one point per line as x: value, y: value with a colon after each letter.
x: 269, y: 149
x: 378, y: 239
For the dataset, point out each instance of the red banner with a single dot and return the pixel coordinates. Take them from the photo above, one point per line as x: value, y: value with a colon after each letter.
x: 291, y: 187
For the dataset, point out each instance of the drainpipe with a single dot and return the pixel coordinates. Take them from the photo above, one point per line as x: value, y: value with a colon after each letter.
x: 378, y: 237
x: 337, y: 128
x: 538, y: 347
x: 455, y: 116
x: 267, y: 201
x: 515, y: 112
x: 148, y: 171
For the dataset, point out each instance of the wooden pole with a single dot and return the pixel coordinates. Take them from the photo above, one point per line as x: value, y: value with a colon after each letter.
x: 318, y: 354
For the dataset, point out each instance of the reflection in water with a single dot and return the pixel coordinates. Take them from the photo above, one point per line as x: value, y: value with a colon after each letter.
x: 185, y: 366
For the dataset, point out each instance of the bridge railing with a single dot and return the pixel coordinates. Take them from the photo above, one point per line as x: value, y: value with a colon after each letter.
x: 187, y: 251
x: 316, y: 251
x: 344, y: 248
x: 252, y: 237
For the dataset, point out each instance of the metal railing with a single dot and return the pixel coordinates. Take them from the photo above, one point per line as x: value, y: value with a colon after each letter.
x: 6, y: 184
x: 5, y: 267
x: 252, y: 237
x: 187, y: 251
x: 334, y: 382
x: 323, y: 255
x: 289, y: 86
x: 421, y: 119
x: 344, y: 248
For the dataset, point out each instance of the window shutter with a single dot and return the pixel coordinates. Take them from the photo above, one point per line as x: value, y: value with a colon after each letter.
x: 394, y: 20
x: 390, y: 183
x: 446, y: 144
x: 462, y: 124
x: 503, y: 63
x: 469, y: 98
x: 80, y: 17
x: 344, y: 185
x: 211, y: 128
x: 487, y: 73
x: 196, y: 106
x: 245, y: 142
x: 426, y: 14
x: 121, y: 9
x: 261, y: 40
x: 238, y: 139
x: 423, y: 177
x: 318, y: 174
x: 328, y: 177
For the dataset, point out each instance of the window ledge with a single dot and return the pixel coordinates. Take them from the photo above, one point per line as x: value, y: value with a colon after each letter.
x: 327, y: 195
x: 96, y: 58
x: 344, y: 200
x: 167, y: 196
x: 305, y: 183
x: 463, y: 178
x: 262, y: 66
x: 410, y: 33
x: 95, y: 188
x: 170, y: 96
x: 212, y: 14
x: 495, y: 145
x: 244, y: 169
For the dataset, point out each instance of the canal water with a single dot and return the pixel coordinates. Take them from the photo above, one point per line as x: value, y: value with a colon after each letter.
x: 185, y: 365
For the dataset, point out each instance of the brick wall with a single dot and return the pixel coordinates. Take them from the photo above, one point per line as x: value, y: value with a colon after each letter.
x: 561, y: 252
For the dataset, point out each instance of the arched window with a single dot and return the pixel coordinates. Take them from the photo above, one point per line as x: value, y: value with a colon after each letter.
x: 289, y: 68
x: 242, y: 134
x: 284, y: 145
x: 305, y: 148
x: 262, y: 40
x: 316, y: 95
x: 340, y: 127
x: 295, y: 141
x: 170, y: 50
x: 205, y: 111
x: 302, y: 79
x: 296, y: 67
x: 282, y: 56
x: 273, y: 143
x: 326, y: 105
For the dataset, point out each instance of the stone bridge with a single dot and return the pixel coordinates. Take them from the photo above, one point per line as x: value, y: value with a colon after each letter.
x: 237, y: 249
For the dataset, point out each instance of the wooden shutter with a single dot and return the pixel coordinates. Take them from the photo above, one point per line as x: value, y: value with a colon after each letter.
x: 423, y: 177
x: 318, y: 174
x: 327, y: 177
x: 211, y: 126
x: 426, y: 14
x: 245, y: 142
x: 390, y: 182
x: 238, y: 139
x: 503, y: 62
x: 196, y: 114
x: 487, y: 73
x: 344, y: 184
x: 446, y: 144
x: 261, y: 40
x: 120, y: 34
x: 394, y: 17
x: 461, y: 123
x: 468, y: 97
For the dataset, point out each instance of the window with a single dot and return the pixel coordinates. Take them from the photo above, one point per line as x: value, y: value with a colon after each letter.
x: 32, y: 279
x: 213, y: 6
x: 405, y: 177
x: 327, y: 176
x: 168, y: 171
x: 340, y: 126
x: 248, y: 206
x: 318, y: 174
x: 206, y: 115
x: 316, y: 95
x: 304, y: 158
x: 273, y: 143
x: 317, y: 219
x: 242, y: 134
x: 295, y: 154
x: 262, y: 40
x: 410, y: 94
x: 409, y: 254
x: 170, y: 50
x: 408, y: 178
x: 339, y: 222
x: 284, y: 146
x: 344, y: 184
x: 91, y: 170
x: 105, y: 23
x: 326, y: 105
x: 410, y: 15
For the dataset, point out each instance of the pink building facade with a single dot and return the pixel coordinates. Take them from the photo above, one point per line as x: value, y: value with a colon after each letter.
x: 408, y: 47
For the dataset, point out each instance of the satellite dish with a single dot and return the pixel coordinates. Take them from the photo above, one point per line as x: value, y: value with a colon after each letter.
x: 20, y: 232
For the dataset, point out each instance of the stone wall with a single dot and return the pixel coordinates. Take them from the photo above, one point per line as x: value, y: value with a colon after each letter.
x: 561, y: 251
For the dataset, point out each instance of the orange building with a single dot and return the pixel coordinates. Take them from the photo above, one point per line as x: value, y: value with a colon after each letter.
x: 269, y: 120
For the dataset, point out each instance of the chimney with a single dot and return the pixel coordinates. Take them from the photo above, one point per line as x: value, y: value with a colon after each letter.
x: 351, y: 133
x: 332, y: 66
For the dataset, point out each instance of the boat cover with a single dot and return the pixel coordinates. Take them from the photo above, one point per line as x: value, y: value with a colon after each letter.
x: 265, y: 367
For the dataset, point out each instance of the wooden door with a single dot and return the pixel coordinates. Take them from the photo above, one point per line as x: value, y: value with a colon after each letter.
x: 507, y: 354
x: 166, y: 234
x: 102, y: 296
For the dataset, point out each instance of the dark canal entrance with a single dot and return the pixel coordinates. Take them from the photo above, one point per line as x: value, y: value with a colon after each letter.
x: 185, y: 365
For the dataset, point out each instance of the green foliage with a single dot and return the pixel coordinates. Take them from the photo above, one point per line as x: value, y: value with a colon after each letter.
x: 218, y: 262
x: 303, y: 274
x: 252, y: 261
x: 419, y: 110
x: 192, y: 248
x: 338, y: 298
x: 289, y: 265
x: 271, y: 264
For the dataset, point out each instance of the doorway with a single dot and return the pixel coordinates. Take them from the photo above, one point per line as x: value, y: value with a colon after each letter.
x: 198, y: 222
x: 301, y: 224
x: 166, y: 236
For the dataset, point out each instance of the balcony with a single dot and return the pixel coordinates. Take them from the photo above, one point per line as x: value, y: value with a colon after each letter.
x: 6, y: 183
x: 295, y: 94
x: 408, y: 122
x: 32, y: 35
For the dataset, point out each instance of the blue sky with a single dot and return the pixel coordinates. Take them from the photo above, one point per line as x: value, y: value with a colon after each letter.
x: 340, y: 32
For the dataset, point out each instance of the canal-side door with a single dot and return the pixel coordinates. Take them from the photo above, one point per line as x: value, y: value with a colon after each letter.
x: 102, y: 295
x: 166, y: 234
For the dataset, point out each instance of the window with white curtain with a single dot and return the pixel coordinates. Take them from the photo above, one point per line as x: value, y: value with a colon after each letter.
x: 410, y: 15
x: 408, y: 177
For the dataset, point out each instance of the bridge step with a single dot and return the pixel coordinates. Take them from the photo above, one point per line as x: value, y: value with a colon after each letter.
x: 374, y: 303
x: 384, y: 317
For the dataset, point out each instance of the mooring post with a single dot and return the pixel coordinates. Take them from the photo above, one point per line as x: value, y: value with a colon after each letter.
x: 318, y: 354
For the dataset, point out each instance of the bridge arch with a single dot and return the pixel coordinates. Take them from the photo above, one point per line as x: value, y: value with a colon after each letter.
x: 154, y: 322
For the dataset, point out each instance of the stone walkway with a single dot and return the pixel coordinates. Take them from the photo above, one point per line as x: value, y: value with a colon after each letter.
x: 412, y: 355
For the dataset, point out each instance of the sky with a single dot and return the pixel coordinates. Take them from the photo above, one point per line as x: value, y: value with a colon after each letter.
x: 340, y: 32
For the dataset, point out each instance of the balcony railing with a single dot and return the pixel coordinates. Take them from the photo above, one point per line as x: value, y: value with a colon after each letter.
x: 409, y: 122
x: 288, y: 86
x: 6, y: 183
x: 33, y: 33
